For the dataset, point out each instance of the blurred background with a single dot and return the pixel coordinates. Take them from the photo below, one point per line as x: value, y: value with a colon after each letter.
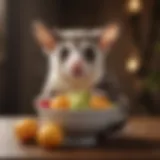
x: 134, y: 60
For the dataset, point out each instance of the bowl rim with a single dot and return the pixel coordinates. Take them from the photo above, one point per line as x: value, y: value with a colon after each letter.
x: 85, y: 111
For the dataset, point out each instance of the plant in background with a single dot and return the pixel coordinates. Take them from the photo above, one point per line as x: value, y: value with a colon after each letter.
x: 157, y: 47
x: 153, y: 81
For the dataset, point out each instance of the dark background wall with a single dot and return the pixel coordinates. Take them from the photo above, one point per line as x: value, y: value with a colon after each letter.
x: 2, y: 50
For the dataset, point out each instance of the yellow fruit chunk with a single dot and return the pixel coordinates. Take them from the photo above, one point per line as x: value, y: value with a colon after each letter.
x: 50, y: 135
x: 60, y: 102
x: 99, y: 102
x: 26, y: 129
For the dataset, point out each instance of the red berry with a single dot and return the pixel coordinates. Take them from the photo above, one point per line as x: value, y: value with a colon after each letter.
x: 44, y: 103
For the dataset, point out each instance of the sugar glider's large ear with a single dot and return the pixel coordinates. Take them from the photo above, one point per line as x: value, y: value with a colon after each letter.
x: 43, y: 36
x: 109, y: 36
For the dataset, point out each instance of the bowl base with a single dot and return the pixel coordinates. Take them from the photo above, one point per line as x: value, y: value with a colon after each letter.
x: 92, y: 139
x: 80, y: 141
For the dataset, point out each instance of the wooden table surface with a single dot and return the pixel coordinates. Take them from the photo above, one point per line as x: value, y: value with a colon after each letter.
x: 139, y: 139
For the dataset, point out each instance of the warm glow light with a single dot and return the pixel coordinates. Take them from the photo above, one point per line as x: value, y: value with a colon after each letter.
x: 132, y: 65
x: 134, y: 6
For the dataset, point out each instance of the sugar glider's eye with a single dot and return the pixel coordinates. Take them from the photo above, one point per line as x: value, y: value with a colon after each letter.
x: 89, y: 54
x: 64, y: 53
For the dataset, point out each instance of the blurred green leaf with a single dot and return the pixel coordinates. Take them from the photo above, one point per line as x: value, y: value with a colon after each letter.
x: 157, y: 47
x: 153, y: 81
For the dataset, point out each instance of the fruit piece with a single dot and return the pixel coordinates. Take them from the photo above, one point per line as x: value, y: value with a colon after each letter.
x: 44, y: 103
x: 50, y: 135
x: 79, y: 100
x: 60, y: 102
x: 26, y: 129
x: 99, y: 102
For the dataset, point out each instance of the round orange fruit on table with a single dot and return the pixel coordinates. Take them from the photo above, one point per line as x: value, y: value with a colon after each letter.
x: 50, y: 135
x: 60, y: 102
x: 26, y: 129
x: 99, y: 102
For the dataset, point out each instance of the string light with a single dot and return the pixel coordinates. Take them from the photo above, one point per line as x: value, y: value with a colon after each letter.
x: 132, y: 64
x: 134, y: 6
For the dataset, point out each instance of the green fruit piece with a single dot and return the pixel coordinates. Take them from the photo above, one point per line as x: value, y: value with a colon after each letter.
x: 79, y: 100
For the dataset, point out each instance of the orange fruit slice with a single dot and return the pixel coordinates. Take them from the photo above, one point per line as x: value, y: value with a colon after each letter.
x: 99, y: 102
x: 60, y: 102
